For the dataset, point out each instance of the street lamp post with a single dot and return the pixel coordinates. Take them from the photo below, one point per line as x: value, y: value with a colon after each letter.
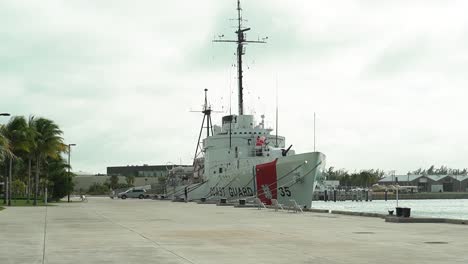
x: 69, y: 176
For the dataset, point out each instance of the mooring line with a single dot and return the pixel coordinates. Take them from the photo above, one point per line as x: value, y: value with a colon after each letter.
x: 45, y: 233
x: 143, y: 236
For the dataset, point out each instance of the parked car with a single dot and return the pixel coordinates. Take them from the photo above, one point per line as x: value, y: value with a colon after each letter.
x: 133, y: 193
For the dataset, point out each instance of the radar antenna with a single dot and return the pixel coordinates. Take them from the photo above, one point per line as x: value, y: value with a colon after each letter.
x: 241, y: 41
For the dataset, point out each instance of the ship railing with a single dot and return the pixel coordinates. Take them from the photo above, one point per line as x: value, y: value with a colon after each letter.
x: 294, y: 206
x: 181, y: 191
x: 277, y: 205
x: 292, y: 181
x: 259, y: 203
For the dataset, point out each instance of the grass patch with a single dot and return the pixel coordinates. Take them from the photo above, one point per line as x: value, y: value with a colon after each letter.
x: 25, y: 203
x: 66, y: 201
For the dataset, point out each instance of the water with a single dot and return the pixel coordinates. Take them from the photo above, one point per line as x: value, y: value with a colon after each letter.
x: 453, y: 208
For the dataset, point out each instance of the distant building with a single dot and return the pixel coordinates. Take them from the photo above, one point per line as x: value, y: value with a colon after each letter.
x: 144, y: 175
x: 327, y: 185
x: 142, y: 171
x: 429, y: 183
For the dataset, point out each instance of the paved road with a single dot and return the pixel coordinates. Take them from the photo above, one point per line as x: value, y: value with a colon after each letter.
x: 147, y: 231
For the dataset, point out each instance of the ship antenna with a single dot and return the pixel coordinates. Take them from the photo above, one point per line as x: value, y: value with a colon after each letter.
x: 241, y: 41
x: 230, y: 108
x: 314, y: 131
x: 276, y: 144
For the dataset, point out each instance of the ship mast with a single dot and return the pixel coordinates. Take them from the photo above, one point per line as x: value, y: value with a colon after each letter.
x: 241, y: 41
x: 209, y: 125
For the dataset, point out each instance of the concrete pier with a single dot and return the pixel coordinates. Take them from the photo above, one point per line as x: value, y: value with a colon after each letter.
x: 153, y: 231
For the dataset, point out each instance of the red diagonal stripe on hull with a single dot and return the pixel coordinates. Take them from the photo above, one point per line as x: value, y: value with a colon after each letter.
x: 266, y: 180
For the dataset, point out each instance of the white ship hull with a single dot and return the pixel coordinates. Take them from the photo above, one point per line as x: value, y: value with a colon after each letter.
x: 285, y: 178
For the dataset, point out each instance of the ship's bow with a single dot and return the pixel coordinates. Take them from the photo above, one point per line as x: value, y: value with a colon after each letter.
x: 290, y: 179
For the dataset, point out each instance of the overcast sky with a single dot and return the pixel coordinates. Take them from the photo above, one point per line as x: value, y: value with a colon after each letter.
x: 387, y: 79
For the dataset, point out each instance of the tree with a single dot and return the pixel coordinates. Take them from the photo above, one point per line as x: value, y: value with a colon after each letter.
x: 114, y: 180
x: 97, y: 188
x: 5, y: 153
x: 19, y: 188
x: 431, y: 170
x: 16, y: 132
x: 4, y: 145
x: 29, y: 155
x: 58, y: 180
x: 48, y: 144
x: 130, y: 179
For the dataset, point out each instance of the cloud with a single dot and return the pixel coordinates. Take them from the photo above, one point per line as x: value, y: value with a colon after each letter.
x: 387, y: 79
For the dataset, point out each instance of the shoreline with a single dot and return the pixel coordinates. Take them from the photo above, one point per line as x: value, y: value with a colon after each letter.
x: 405, y: 196
x: 421, y: 196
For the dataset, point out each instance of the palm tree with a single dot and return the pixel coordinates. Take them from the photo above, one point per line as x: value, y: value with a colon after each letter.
x: 48, y: 143
x: 16, y: 131
x: 5, y: 153
x: 4, y: 145
x: 31, y: 139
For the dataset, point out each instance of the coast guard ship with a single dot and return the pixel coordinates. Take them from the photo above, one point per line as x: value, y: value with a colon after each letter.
x: 242, y: 159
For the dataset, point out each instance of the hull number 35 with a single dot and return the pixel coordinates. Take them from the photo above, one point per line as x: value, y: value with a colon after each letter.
x: 284, y: 191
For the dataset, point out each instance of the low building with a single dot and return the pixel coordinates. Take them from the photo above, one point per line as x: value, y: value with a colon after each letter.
x: 429, y: 183
x: 144, y: 170
x: 143, y: 175
x: 84, y: 181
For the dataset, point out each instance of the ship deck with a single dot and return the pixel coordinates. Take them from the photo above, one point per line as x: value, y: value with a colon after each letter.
x: 150, y: 231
